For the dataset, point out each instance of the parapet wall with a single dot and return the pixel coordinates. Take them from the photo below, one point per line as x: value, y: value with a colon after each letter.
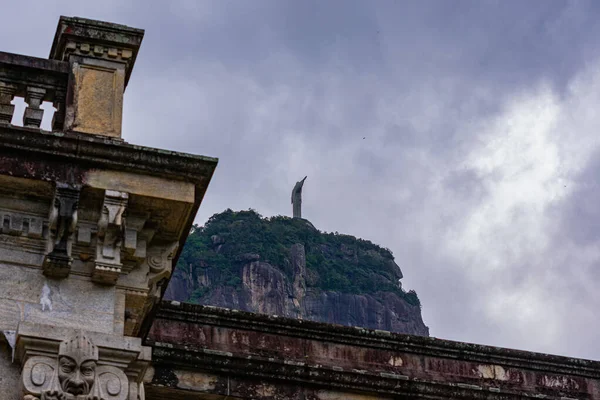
x: 207, y: 350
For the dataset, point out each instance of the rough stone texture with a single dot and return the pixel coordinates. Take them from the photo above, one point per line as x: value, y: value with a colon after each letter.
x: 98, y: 99
x: 266, y: 290
x: 10, y: 373
x: 101, y: 56
x: 383, y: 310
x: 220, y: 352
x: 298, y: 259
x: 27, y: 295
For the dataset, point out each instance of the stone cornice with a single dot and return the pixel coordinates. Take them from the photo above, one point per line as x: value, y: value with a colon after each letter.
x: 260, y: 369
x: 97, y: 151
x: 105, y: 40
x: 74, y: 158
x: 381, y: 340
x: 42, y: 64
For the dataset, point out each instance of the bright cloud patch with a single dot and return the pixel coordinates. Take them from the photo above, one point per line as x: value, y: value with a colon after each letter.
x: 528, y: 162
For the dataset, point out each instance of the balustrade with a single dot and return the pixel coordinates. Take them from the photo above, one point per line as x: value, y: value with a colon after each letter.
x: 36, y: 80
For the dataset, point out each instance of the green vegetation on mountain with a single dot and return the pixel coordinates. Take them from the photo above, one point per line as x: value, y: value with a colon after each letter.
x: 334, y: 262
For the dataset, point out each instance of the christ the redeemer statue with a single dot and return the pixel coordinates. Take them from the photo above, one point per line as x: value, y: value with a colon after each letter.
x: 297, y: 198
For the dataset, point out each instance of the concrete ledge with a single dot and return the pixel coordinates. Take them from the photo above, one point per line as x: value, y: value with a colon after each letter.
x: 42, y: 64
x: 100, y: 151
x: 251, y: 377
x: 300, y: 358
x: 222, y: 317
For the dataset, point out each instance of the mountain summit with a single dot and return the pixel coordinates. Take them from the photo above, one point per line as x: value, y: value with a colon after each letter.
x: 286, y: 267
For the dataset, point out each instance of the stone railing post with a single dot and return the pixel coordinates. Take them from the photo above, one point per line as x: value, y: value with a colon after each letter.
x: 58, y: 118
x: 7, y: 93
x: 33, y: 113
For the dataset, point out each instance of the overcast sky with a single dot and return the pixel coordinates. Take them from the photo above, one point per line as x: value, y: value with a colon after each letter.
x: 463, y: 135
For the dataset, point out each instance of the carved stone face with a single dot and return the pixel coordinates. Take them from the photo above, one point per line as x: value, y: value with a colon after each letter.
x: 76, y: 378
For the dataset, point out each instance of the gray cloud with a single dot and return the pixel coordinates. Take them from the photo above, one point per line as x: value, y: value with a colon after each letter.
x: 478, y: 166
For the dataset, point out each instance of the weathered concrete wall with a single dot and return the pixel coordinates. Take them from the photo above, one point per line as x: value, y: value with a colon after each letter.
x: 27, y: 295
x: 159, y: 211
x: 207, y: 350
x: 10, y: 373
x: 117, y: 226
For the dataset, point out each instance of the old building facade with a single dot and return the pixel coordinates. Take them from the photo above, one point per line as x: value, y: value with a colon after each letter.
x: 91, y: 227
x: 90, y: 223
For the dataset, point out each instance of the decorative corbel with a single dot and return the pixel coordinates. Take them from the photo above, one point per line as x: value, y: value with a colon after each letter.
x: 136, y: 237
x: 108, y: 264
x: 62, y: 223
x: 158, y: 267
x: 160, y: 263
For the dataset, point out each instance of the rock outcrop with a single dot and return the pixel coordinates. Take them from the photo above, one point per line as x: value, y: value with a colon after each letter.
x: 264, y: 288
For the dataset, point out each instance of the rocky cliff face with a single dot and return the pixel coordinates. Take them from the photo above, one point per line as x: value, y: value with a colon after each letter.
x: 264, y: 288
